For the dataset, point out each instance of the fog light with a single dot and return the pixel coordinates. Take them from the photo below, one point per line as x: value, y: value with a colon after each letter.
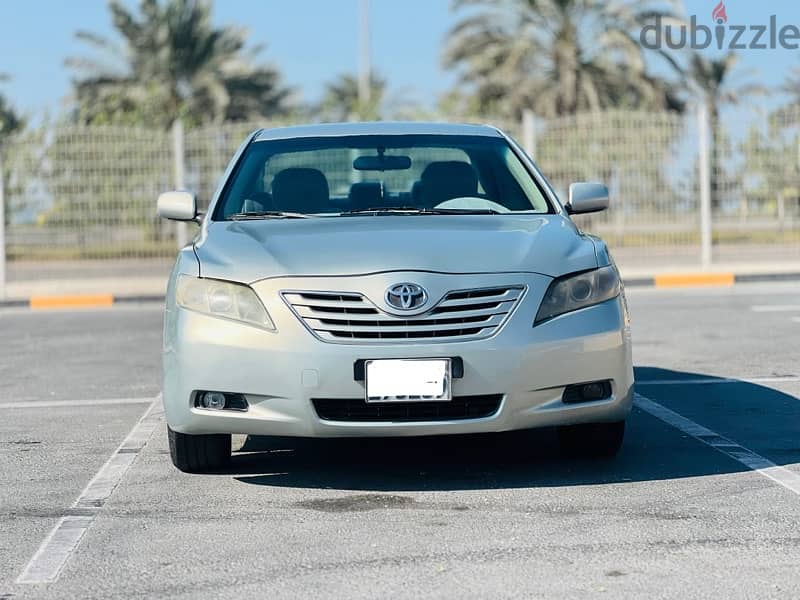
x: 212, y: 400
x: 219, y: 401
x: 593, y: 391
x: 586, y: 392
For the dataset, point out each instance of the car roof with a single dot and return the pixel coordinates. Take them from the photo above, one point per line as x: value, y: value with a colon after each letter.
x: 375, y: 128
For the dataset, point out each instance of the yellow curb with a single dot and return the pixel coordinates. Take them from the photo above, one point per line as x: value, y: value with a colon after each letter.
x: 668, y: 280
x: 83, y: 301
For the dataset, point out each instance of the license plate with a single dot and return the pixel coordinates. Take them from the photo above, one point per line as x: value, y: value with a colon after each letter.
x: 408, y: 380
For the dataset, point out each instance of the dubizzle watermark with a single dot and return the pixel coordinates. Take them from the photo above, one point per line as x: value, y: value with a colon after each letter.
x: 763, y: 36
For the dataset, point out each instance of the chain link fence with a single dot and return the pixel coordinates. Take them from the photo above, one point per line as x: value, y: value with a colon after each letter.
x: 755, y: 189
x: 80, y: 202
x: 648, y: 161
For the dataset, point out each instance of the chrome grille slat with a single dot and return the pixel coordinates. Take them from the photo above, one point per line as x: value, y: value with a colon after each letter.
x: 308, y: 312
x: 499, y: 308
x: 360, y: 314
x: 510, y: 296
x: 302, y: 300
x: 347, y: 317
x: 405, y: 325
x: 463, y: 335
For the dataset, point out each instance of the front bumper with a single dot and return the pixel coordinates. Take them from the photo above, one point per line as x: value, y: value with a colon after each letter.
x: 280, y: 372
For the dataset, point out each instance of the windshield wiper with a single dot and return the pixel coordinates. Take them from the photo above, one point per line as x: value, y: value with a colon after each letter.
x: 266, y: 214
x: 463, y: 211
x: 412, y: 210
x: 383, y: 210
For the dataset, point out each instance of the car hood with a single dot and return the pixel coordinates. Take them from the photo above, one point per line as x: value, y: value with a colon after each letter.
x: 248, y: 251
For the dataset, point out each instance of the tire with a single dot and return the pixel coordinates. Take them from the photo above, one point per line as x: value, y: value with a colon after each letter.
x: 595, y: 440
x: 199, y: 453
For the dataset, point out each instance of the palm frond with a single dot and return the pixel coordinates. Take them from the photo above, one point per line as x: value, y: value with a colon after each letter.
x: 561, y: 55
x: 168, y: 61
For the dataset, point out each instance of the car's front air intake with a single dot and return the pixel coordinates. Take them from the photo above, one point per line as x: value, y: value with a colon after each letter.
x: 357, y: 410
x: 460, y: 316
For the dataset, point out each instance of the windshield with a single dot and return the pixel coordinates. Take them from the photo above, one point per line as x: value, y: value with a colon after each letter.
x: 380, y: 174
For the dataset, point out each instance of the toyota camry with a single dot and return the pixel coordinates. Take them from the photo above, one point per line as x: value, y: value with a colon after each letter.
x: 391, y: 279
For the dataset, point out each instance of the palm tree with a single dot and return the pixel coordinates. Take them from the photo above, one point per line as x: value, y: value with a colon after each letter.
x: 792, y: 85
x: 172, y: 63
x: 715, y: 82
x: 556, y: 57
x: 10, y: 123
x: 341, y: 100
x: 10, y: 120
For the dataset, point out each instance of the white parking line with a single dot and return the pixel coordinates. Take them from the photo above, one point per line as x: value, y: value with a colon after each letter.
x: 778, y: 308
x: 714, y: 380
x: 780, y: 475
x: 46, y: 564
x: 767, y: 308
x: 58, y: 403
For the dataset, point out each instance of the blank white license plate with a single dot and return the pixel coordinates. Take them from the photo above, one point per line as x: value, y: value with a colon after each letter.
x: 408, y: 380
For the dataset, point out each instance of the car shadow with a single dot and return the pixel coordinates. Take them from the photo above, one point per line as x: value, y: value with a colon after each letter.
x: 653, y: 450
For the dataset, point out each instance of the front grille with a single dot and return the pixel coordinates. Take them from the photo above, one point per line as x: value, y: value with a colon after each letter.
x: 356, y: 409
x: 459, y: 316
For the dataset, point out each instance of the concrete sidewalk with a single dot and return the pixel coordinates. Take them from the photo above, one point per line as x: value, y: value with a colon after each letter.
x: 718, y: 274
x: 124, y: 287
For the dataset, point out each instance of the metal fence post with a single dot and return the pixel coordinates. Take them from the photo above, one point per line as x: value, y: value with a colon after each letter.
x: 704, y: 164
x: 2, y: 233
x: 179, y: 183
x: 529, y: 132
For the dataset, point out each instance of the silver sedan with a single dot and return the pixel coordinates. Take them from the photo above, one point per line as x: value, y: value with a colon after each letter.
x: 391, y: 279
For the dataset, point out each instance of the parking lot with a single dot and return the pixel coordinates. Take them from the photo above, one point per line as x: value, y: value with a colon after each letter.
x: 703, y: 501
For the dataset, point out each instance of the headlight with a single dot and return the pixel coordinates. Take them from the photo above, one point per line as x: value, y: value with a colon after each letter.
x: 579, y: 291
x: 222, y: 299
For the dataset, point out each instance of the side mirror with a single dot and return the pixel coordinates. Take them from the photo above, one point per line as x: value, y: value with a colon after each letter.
x: 177, y: 206
x: 587, y: 198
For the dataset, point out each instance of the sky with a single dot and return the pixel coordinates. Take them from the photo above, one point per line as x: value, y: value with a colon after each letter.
x: 311, y: 41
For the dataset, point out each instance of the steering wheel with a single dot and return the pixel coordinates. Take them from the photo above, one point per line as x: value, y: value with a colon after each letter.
x: 472, y: 203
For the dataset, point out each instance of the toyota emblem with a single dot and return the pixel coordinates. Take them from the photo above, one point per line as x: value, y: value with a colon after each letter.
x: 406, y: 296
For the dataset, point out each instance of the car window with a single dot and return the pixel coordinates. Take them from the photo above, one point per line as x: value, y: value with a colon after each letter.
x: 336, y: 165
x: 334, y: 175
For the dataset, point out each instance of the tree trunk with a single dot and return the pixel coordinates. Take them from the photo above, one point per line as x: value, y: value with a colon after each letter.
x: 717, y: 176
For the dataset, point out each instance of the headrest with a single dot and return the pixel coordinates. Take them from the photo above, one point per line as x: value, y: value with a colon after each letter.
x: 301, y: 190
x: 448, y: 179
x: 365, y: 194
x: 416, y: 193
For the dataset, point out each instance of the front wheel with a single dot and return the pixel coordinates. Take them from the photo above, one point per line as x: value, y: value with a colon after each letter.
x: 592, y: 439
x: 199, y: 453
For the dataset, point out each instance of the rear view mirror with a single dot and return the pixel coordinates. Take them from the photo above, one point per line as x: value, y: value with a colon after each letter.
x: 381, y: 162
x: 177, y: 206
x: 587, y: 198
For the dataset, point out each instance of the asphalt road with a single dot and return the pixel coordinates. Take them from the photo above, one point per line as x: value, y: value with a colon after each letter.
x: 703, y: 501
